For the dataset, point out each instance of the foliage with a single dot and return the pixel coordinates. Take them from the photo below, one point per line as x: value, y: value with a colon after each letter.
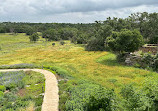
x: 30, y: 30
x: 97, y: 41
x: 60, y: 71
x: 95, y: 45
x: 67, y: 33
x: 134, y: 100
x: 62, y: 42
x: 150, y: 89
x: 12, y: 80
x: 149, y: 61
x: 125, y: 41
x: 85, y: 96
x: 78, y: 63
x: 51, y: 35
x: 1, y: 94
x: 20, y: 97
x: 2, y: 88
x: 34, y: 37
x: 53, y: 44
x: 19, y: 66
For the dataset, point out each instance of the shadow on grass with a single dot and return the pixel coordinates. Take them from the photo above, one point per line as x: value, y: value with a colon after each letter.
x: 109, y: 60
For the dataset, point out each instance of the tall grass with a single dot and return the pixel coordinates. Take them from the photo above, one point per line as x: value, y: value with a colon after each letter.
x: 100, y: 67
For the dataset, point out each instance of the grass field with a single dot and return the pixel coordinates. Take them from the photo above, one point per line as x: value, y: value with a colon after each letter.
x: 99, y: 67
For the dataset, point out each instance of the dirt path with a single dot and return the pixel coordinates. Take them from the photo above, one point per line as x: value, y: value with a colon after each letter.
x: 51, y: 97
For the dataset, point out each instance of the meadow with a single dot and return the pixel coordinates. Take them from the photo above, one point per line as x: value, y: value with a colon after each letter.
x: 98, y: 67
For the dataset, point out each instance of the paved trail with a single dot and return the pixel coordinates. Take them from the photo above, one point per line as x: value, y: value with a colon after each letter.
x: 51, y: 97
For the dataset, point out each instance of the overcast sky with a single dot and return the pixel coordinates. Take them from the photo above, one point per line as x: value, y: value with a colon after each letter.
x: 71, y: 11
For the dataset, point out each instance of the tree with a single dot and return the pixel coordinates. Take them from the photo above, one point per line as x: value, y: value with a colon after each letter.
x: 29, y: 30
x: 34, y: 37
x: 125, y: 41
x: 97, y: 41
x: 51, y: 35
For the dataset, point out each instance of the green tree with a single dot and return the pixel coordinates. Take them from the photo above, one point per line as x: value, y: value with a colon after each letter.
x: 97, y: 41
x: 125, y: 41
x: 29, y: 30
x: 34, y: 37
x: 51, y: 35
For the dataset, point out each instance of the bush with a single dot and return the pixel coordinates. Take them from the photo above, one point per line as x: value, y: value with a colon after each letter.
x: 150, y: 61
x: 34, y: 37
x: 20, y: 84
x: 90, y: 97
x: 1, y: 94
x: 19, y: 66
x: 11, y: 86
x: 121, y: 57
x: 95, y: 44
x: 147, y: 60
x: 51, y: 35
x: 150, y: 88
x: 2, y: 88
x: 38, y: 101
x: 61, y: 72
x: 125, y: 41
x: 53, y: 44
x: 62, y: 42
x: 155, y: 63
x: 134, y: 100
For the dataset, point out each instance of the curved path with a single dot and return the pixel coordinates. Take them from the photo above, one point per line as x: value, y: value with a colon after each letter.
x: 51, y: 97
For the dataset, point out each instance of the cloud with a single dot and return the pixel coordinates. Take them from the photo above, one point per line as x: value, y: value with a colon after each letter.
x: 66, y: 6
x: 71, y: 10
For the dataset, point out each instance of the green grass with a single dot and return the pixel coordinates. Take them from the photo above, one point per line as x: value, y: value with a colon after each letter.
x: 73, y: 62
x: 10, y: 43
x: 99, y: 67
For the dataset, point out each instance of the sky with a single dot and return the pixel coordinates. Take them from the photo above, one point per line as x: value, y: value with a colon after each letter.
x: 71, y: 11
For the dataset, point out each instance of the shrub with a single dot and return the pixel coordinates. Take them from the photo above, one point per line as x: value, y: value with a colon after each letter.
x: 62, y: 42
x: 53, y: 44
x: 19, y: 66
x: 2, y: 88
x: 20, y: 84
x: 11, y: 86
x: 150, y: 88
x: 125, y: 41
x: 155, y: 63
x: 10, y: 97
x: 95, y: 44
x: 121, y: 57
x: 150, y: 61
x: 51, y: 35
x: 11, y: 79
x: 34, y: 37
x: 90, y: 97
x: 38, y: 101
x: 147, y: 59
x: 133, y: 99
x: 1, y: 94
x: 61, y: 72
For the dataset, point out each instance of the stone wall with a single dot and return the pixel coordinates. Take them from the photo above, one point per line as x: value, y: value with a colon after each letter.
x: 153, y: 48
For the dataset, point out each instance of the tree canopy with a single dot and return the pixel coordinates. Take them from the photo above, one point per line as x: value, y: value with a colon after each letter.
x: 125, y: 41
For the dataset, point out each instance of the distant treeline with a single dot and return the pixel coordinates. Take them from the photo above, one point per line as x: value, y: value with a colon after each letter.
x: 90, y: 33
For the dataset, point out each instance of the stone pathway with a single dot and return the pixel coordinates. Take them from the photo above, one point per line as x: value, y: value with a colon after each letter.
x: 51, y: 97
